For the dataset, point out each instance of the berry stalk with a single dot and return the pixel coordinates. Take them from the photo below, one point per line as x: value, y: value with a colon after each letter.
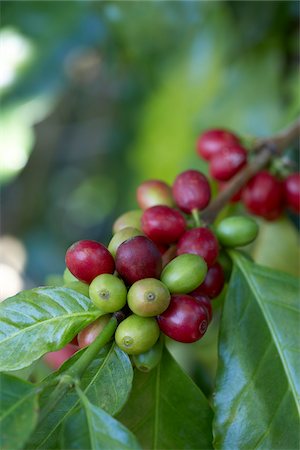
x: 265, y: 149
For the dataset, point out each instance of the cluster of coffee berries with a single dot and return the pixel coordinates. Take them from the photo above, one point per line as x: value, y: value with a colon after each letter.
x: 157, y: 268
x: 265, y: 195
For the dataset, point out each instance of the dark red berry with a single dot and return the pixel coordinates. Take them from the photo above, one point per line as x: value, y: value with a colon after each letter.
x: 87, y: 259
x: 292, y: 192
x: 205, y: 302
x: 163, y: 224
x: 213, y: 283
x: 138, y: 258
x: 264, y: 196
x: 212, y: 141
x: 154, y: 192
x: 191, y: 190
x: 227, y: 162
x: 185, y: 320
x: 200, y: 241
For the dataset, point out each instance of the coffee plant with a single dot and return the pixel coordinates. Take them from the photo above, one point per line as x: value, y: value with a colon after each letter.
x: 107, y: 329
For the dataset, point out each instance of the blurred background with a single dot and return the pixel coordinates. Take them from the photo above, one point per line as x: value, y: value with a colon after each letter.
x: 98, y: 96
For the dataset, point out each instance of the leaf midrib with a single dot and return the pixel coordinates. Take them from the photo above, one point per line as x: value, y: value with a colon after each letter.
x: 269, y: 322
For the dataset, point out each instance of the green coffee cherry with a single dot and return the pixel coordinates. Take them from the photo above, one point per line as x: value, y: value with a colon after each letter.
x: 149, y: 360
x: 108, y: 293
x: 236, y: 231
x: 68, y: 276
x: 122, y: 236
x: 128, y: 219
x: 137, y: 334
x: 184, y: 273
x: 148, y: 297
x: 78, y: 286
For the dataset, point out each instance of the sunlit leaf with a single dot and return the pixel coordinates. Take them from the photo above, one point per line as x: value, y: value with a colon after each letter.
x: 39, y: 321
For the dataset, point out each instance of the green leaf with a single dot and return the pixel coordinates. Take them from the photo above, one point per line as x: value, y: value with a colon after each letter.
x: 92, y: 428
x: 18, y: 411
x: 38, y: 321
x: 106, y: 382
x: 257, y: 389
x: 166, y: 410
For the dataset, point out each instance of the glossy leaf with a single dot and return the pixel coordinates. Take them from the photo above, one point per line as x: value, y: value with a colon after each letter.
x: 257, y: 389
x: 92, y: 428
x: 106, y: 382
x: 166, y: 410
x: 38, y: 321
x: 18, y: 411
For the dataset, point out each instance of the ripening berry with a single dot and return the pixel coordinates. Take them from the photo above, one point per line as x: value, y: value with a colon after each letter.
x: 292, y: 192
x: 213, y: 282
x: 163, y: 224
x: 148, y: 297
x: 185, y: 320
x: 191, y: 190
x: 227, y: 162
x: 199, y: 241
x: 264, y: 196
x: 88, y: 334
x: 128, y: 219
x: 154, y: 192
x: 87, y: 259
x: 138, y: 258
x: 212, y: 141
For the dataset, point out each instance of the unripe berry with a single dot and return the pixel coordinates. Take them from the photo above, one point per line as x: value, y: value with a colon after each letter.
x: 68, y: 277
x: 122, y: 236
x: 264, y: 196
x: 199, y: 241
x: 227, y: 162
x: 87, y: 259
x: 128, y: 219
x: 149, y: 360
x: 154, y: 192
x: 185, y: 320
x: 213, y: 282
x: 236, y: 231
x: 184, y: 273
x: 204, y: 301
x: 212, y: 141
x: 137, y: 334
x: 138, y: 258
x: 191, y: 190
x: 78, y: 286
x: 148, y: 297
x: 89, y: 334
x: 163, y: 224
x: 292, y: 192
x: 108, y: 293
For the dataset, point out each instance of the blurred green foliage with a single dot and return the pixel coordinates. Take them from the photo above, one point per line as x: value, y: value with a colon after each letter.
x: 111, y: 93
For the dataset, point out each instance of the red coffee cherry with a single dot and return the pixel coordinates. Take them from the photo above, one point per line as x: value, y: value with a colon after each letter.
x: 138, y: 258
x: 213, y: 283
x: 154, y: 192
x: 205, y: 302
x: 212, y: 141
x: 264, y: 196
x: 227, y: 162
x: 87, y: 259
x: 55, y: 359
x: 185, y: 320
x: 191, y: 190
x: 200, y: 241
x: 292, y: 192
x: 163, y: 224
